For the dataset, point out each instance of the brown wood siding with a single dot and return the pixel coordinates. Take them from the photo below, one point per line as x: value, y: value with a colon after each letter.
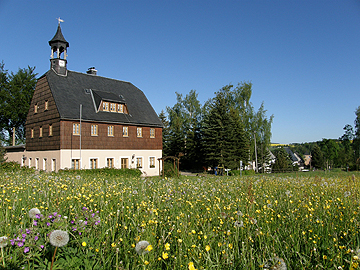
x: 103, y: 141
x: 43, y: 118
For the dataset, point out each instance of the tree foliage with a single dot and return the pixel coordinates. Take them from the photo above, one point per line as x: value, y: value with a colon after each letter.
x: 220, y: 132
x: 283, y: 162
x: 16, y: 91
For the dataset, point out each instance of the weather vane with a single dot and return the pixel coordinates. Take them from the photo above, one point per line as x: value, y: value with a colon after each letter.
x: 60, y: 20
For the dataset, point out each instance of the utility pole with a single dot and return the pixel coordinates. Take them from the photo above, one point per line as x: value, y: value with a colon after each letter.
x: 80, y: 134
x: 256, y: 165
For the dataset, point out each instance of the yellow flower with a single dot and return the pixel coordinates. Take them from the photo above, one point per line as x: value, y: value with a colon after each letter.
x: 149, y: 248
x: 167, y: 246
x: 324, y: 257
x: 191, y: 266
x: 97, y: 250
x: 207, y: 248
x: 146, y: 262
x: 179, y: 240
x: 113, y: 245
x: 165, y: 255
x: 83, y: 244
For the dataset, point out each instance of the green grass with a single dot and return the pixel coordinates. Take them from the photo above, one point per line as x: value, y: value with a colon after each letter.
x: 304, y: 220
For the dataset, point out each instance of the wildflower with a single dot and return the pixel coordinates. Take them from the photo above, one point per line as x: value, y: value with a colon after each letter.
x: 167, y: 246
x: 113, y: 245
x: 34, y: 213
x: 26, y: 249
x: 207, y: 248
x: 59, y: 238
x: 191, y: 266
x: 149, y: 248
x: 83, y: 244
x: 3, y: 241
x: 141, y: 246
x: 165, y: 255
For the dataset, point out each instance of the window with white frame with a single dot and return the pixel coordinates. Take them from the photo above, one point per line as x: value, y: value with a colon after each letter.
x: 94, y: 130
x: 139, y: 162
x: 110, y: 130
x: 93, y: 163
x: 75, y: 164
x: 139, y: 132
x: 152, y: 132
x: 76, y: 129
x: 110, y: 162
x: 152, y: 162
x: 125, y: 131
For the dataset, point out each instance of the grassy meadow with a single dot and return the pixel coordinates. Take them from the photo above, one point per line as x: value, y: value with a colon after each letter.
x: 280, y: 221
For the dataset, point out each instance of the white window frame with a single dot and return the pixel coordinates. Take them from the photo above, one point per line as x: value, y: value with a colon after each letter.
x: 125, y: 131
x: 139, y: 132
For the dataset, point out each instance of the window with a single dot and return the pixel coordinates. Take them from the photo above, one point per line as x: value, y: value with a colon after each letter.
x: 40, y: 133
x: 50, y: 130
x: 139, y: 162
x: 30, y: 160
x: 93, y: 163
x: 139, y: 132
x: 75, y: 164
x: 152, y: 132
x: 120, y: 108
x: 110, y: 130
x: 94, y: 130
x: 125, y: 131
x: 110, y: 162
x: 35, y: 108
x: 53, y: 165
x: 32, y: 133
x: 113, y: 107
x: 124, y: 163
x: 44, y: 164
x: 37, y: 163
x: 46, y: 105
x: 76, y: 129
x: 152, y: 162
x: 105, y: 106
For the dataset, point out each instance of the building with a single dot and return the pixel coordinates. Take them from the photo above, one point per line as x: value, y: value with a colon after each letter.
x: 82, y: 120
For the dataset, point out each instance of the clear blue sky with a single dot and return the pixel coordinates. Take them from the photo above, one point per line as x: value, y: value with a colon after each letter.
x: 303, y: 57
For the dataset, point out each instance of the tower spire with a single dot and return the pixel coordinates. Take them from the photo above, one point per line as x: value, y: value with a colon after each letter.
x: 59, y: 47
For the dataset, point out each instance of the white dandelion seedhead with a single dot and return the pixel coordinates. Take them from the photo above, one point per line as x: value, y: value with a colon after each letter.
x: 238, y: 224
x: 33, y: 212
x: 59, y: 238
x: 3, y: 241
x: 275, y: 263
x: 141, y: 246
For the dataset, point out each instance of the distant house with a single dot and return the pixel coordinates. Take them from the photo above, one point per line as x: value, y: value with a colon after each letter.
x: 81, y: 120
x: 295, y: 158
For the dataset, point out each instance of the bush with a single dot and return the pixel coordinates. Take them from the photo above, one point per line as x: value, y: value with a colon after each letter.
x: 105, y: 172
x: 169, y: 169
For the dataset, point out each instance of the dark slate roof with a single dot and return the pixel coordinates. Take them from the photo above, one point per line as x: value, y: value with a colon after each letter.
x: 58, y: 37
x: 79, y: 88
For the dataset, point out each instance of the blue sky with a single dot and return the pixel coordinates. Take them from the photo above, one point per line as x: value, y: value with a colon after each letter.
x: 303, y: 57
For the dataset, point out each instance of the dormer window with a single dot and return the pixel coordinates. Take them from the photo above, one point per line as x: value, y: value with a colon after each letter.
x: 106, y: 106
x: 36, y: 108
x: 112, y: 107
x: 120, y: 108
x: 46, y: 105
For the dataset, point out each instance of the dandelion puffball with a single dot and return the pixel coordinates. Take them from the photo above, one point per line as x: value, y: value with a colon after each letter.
x: 59, y: 238
x: 141, y: 246
x: 3, y: 241
x: 33, y: 212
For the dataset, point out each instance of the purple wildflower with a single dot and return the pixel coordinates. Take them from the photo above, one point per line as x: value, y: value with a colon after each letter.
x: 35, y: 223
x: 41, y: 246
x: 20, y: 244
x: 48, y: 223
x: 26, y: 249
x: 36, y: 238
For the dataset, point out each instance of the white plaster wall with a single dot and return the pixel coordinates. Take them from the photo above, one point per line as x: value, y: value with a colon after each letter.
x: 103, y: 155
